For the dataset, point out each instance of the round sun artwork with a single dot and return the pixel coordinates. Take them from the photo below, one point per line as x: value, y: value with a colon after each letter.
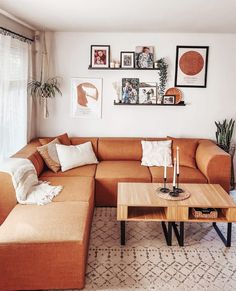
x: 191, y: 63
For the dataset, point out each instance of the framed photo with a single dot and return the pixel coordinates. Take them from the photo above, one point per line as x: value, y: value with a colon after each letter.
x: 127, y: 59
x: 144, y: 57
x: 191, y: 66
x: 86, y: 97
x: 130, y: 90
x: 100, y: 56
x: 169, y: 99
x: 148, y: 92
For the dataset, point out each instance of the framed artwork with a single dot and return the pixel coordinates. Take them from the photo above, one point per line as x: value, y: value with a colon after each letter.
x: 191, y: 66
x: 148, y: 93
x: 86, y: 97
x: 130, y: 90
x: 169, y: 99
x: 127, y: 59
x: 100, y: 56
x: 144, y: 56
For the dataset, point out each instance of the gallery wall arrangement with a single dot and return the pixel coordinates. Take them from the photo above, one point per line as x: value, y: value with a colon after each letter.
x: 190, y: 71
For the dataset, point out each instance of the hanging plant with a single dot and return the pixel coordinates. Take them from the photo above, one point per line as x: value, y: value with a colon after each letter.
x: 163, y: 74
x: 46, y: 89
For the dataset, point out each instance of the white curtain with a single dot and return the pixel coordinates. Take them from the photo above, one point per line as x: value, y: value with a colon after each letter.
x: 14, y: 64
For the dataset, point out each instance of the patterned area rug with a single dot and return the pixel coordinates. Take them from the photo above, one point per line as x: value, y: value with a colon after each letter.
x: 146, y: 263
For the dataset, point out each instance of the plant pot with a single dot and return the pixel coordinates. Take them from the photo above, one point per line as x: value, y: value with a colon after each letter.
x: 232, y: 179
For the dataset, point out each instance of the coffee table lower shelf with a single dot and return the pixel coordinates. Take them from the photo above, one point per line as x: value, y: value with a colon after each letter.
x: 179, y: 232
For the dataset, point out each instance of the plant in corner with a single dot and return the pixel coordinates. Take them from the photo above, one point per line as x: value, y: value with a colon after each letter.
x: 163, y: 74
x: 224, y: 135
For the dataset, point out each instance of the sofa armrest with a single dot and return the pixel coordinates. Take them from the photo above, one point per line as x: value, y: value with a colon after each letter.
x: 214, y: 163
x: 7, y: 196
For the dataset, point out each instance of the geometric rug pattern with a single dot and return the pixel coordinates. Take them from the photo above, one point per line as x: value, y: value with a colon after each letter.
x: 147, y: 263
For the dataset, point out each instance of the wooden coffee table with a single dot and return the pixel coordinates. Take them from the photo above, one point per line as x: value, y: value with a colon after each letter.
x: 139, y: 202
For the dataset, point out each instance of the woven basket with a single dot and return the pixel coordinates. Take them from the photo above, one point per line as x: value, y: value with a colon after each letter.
x: 198, y: 213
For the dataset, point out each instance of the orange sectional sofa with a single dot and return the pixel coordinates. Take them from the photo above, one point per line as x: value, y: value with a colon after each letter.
x: 45, y: 247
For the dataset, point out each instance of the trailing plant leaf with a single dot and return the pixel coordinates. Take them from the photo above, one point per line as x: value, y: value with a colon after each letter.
x: 163, y: 74
x: 47, y: 89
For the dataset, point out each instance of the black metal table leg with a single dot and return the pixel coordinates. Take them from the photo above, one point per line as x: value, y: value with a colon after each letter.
x: 179, y: 233
x: 167, y: 232
x: 122, y: 233
x: 227, y: 240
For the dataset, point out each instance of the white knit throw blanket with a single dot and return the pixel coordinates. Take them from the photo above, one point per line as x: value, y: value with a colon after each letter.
x: 29, y: 190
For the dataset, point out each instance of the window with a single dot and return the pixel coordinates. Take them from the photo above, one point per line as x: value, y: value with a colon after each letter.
x: 13, y: 94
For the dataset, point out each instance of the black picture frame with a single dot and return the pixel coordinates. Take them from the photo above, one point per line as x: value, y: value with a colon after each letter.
x: 166, y: 99
x: 193, y: 79
x: 92, y: 56
x: 133, y: 60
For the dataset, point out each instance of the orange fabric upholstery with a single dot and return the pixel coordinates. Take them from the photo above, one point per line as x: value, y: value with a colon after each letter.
x: 45, y: 247
x: 83, y: 171
x: 187, y: 175
x: 109, y: 173
x: 7, y: 196
x: 187, y: 150
x: 214, y: 163
x: 81, y: 189
x: 63, y: 138
x: 80, y: 140
x: 30, y: 152
x: 119, y: 149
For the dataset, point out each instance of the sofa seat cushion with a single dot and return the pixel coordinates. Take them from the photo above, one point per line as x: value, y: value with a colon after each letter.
x: 187, y: 175
x: 53, y: 222
x: 45, y: 247
x: 109, y: 173
x: 84, y: 171
x: 74, y: 188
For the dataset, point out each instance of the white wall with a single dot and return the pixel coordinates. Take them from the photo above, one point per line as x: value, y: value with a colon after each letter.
x: 204, y: 106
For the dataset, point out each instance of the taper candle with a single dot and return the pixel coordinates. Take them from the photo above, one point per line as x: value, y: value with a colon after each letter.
x: 174, y: 175
x: 177, y: 155
x: 165, y: 167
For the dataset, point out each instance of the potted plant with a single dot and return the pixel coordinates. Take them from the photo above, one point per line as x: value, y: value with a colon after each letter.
x: 224, y: 135
x: 46, y: 89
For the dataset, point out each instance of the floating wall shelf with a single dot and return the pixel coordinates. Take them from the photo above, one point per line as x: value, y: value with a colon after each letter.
x: 126, y: 69
x: 137, y: 104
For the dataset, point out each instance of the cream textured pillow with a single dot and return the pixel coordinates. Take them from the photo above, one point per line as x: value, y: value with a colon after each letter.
x: 74, y: 156
x: 49, y: 154
x: 155, y: 153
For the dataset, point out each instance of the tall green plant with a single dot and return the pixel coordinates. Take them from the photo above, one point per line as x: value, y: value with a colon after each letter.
x: 163, y: 74
x: 224, y: 134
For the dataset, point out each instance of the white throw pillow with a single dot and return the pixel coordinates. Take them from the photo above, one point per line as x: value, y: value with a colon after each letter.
x: 74, y: 156
x: 156, y: 153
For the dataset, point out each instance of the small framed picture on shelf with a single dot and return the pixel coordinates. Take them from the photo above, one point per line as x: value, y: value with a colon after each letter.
x: 127, y: 59
x: 148, y: 92
x: 169, y: 99
x: 100, y: 56
x: 144, y: 56
x: 130, y: 90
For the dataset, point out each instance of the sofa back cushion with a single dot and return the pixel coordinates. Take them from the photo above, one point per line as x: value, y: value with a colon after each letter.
x: 30, y: 152
x: 187, y: 150
x: 119, y: 149
x: 63, y: 138
x: 80, y: 140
